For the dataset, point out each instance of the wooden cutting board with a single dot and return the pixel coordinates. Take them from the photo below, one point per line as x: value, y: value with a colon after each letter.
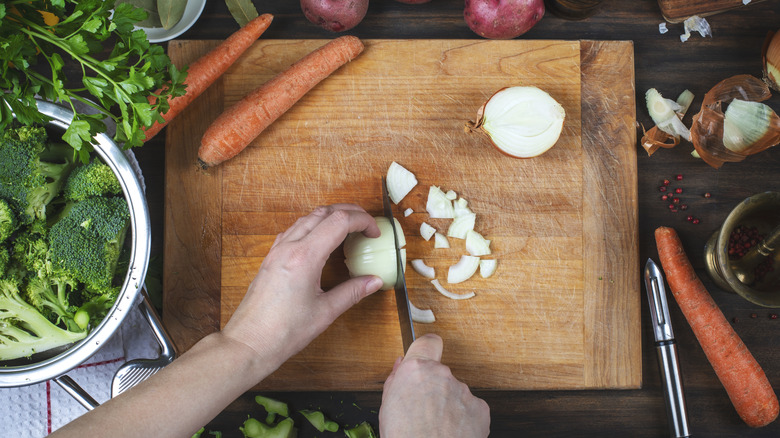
x: 675, y: 11
x: 563, y: 309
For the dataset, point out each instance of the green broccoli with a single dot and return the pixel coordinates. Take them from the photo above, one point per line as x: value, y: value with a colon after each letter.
x: 362, y: 430
x: 30, y: 249
x: 5, y: 260
x: 8, y: 221
x: 253, y: 428
x: 24, y: 330
x: 50, y: 296
x: 87, y: 240
x: 93, y: 179
x: 32, y: 170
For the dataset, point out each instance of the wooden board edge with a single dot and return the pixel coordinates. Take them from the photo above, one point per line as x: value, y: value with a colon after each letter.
x: 677, y: 14
x: 610, y: 215
x: 193, y: 244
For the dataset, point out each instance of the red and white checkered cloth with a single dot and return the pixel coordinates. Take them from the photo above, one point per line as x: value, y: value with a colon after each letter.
x: 37, y: 410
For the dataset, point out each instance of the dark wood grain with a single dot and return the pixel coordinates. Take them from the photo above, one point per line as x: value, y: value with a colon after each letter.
x: 661, y: 61
x: 678, y: 10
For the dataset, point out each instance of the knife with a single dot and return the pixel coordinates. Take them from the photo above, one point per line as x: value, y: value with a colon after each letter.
x: 666, y: 347
x: 401, y: 294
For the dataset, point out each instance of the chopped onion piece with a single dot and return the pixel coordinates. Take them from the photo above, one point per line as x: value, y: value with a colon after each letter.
x: 463, y: 270
x: 427, y: 231
x: 477, y: 245
x: 461, y: 208
x: 438, y: 206
x: 449, y: 294
x: 460, y: 226
x: 408, y: 212
x: 421, y: 316
x: 421, y: 268
x: 400, y: 182
x: 487, y: 267
x: 440, y: 241
x: 451, y: 195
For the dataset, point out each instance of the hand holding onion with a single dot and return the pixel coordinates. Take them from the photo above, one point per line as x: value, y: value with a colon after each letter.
x: 285, y: 308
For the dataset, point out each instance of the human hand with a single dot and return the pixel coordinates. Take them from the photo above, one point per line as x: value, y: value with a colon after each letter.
x: 285, y: 308
x: 422, y: 398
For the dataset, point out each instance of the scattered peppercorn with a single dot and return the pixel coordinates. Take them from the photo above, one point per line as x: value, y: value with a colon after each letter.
x: 707, y: 195
x: 695, y: 220
x: 662, y: 189
x: 773, y: 316
x: 753, y: 315
x: 684, y: 207
x: 679, y: 177
x: 678, y: 190
x: 666, y: 182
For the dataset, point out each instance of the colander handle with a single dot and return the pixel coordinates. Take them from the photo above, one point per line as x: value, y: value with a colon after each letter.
x: 77, y: 392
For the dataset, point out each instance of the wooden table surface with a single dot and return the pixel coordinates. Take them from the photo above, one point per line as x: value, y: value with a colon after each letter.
x: 661, y: 61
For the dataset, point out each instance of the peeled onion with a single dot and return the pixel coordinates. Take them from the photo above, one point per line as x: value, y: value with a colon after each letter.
x: 463, y: 270
x: 522, y: 122
x: 375, y: 255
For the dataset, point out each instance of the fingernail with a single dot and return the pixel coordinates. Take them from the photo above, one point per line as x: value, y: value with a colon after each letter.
x: 374, y: 284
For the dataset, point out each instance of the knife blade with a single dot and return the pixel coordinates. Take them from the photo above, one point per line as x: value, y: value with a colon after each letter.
x: 666, y: 347
x: 401, y: 293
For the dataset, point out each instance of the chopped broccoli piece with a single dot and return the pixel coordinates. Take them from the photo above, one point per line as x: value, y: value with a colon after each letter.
x: 8, y: 221
x: 32, y: 170
x: 93, y: 179
x: 253, y: 428
x: 87, y: 240
x: 272, y: 407
x: 362, y: 430
x: 24, y: 330
x: 318, y: 420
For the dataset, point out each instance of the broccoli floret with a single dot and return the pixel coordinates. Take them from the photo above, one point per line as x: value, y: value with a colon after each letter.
x: 50, y: 296
x: 93, y: 179
x: 30, y: 250
x: 87, y: 240
x: 32, y: 170
x: 8, y: 221
x: 24, y: 330
x: 5, y: 260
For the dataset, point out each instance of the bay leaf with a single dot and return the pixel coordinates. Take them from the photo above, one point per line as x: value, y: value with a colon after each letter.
x: 243, y: 11
x: 170, y: 11
x: 150, y: 6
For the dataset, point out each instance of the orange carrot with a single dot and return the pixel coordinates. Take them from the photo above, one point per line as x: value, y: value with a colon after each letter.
x: 235, y: 128
x: 742, y: 377
x: 208, y: 68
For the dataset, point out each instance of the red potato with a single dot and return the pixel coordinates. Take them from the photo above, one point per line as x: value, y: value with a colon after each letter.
x: 335, y: 15
x: 502, y: 19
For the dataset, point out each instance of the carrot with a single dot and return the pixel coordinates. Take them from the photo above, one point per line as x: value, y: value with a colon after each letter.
x: 209, y: 67
x: 742, y: 377
x: 235, y: 128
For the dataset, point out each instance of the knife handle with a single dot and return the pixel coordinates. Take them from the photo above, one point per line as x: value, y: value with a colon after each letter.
x: 677, y: 412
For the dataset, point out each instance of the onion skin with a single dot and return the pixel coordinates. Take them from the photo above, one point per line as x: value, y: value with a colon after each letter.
x: 771, y: 55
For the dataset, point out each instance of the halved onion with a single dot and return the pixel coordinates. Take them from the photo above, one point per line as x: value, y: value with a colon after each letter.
x: 400, y: 182
x: 421, y: 268
x: 438, y: 206
x: 463, y: 270
x: 477, y: 245
x: 449, y: 294
x: 487, y: 267
x: 421, y: 316
x: 522, y: 122
x: 460, y: 226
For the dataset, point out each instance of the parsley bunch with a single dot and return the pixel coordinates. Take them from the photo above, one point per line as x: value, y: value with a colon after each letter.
x: 117, y: 69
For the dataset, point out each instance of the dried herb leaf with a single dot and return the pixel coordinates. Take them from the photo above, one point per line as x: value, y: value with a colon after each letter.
x: 243, y: 11
x: 148, y: 6
x: 170, y: 11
